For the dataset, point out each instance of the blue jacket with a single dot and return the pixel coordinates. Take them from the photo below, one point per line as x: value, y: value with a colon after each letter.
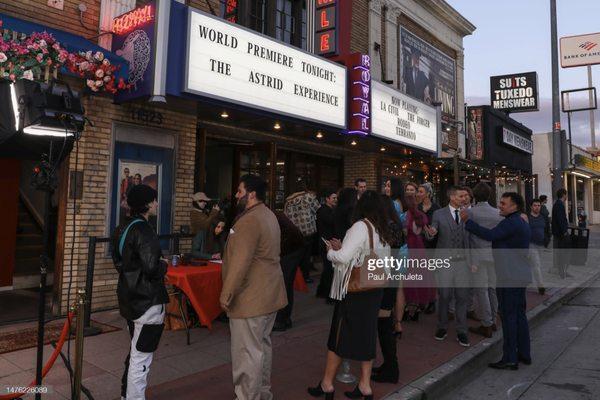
x: 510, y: 242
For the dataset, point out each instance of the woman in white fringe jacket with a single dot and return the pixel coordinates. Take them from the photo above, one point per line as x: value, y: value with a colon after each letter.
x: 353, y: 333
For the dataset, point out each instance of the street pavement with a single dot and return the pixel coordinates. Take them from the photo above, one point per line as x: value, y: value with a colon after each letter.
x: 566, y: 359
x: 203, y: 369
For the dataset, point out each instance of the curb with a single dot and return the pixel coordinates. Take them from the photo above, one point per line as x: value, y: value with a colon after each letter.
x: 438, y: 382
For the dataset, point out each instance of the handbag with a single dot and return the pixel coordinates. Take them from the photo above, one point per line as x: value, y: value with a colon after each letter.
x: 355, y: 285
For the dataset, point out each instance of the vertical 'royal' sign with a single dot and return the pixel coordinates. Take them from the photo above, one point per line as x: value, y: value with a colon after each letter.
x: 360, y: 94
x: 326, y: 27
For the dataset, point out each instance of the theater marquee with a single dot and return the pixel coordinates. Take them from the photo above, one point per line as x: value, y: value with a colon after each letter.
x: 233, y: 64
x: 400, y: 118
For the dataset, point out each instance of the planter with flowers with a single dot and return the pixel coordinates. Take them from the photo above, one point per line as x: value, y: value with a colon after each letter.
x: 39, y: 57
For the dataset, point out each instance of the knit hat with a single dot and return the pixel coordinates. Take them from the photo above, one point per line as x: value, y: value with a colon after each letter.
x: 140, y: 196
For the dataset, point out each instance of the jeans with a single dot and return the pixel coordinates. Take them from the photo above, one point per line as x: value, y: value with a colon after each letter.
x: 289, y: 266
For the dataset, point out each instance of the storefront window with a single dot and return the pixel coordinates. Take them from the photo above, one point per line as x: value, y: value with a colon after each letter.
x: 258, y: 13
x: 284, y: 21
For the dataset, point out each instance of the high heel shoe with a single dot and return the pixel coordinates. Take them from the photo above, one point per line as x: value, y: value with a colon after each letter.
x: 318, y: 391
x: 357, y: 394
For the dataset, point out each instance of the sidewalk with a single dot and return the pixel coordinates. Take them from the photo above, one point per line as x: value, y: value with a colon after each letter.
x: 203, y: 371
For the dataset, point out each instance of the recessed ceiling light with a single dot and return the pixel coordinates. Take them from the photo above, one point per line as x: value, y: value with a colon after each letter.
x: 382, y: 148
x: 353, y: 143
x: 277, y: 126
x: 224, y: 114
x: 319, y: 135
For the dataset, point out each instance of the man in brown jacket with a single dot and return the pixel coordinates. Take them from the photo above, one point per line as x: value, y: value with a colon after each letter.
x: 253, y: 289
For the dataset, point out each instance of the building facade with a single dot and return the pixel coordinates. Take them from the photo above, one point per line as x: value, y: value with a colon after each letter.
x: 175, y: 131
x: 581, y: 178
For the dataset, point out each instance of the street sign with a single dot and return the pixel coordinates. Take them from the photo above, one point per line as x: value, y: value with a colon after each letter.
x: 580, y: 50
x: 579, y: 99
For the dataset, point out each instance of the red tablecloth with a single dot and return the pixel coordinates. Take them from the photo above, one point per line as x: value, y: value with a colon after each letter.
x: 202, y: 286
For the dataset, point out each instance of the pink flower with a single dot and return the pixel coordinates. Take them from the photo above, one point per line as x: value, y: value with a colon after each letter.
x: 84, y: 66
x: 56, y: 46
x: 99, y: 83
x: 106, y: 62
x: 99, y: 56
x: 49, y: 62
x: 3, y: 57
x: 107, y: 79
x: 28, y: 75
x: 39, y: 57
x: 43, y: 43
x: 99, y: 73
x: 12, y: 77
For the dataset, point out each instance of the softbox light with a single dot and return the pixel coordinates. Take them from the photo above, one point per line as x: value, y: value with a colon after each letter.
x: 14, y: 143
x: 48, y: 109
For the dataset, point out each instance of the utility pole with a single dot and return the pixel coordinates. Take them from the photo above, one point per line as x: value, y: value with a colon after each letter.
x: 556, y: 135
x: 592, y: 120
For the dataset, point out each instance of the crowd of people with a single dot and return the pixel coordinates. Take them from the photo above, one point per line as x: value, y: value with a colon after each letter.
x: 261, y: 250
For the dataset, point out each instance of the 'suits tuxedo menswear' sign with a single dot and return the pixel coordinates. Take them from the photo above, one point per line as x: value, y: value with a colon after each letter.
x: 514, y: 92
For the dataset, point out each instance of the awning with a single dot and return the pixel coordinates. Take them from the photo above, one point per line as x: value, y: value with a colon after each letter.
x: 69, y: 41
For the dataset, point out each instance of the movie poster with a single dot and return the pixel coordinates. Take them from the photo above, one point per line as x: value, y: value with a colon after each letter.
x: 427, y: 74
x: 475, y: 134
x: 133, y: 173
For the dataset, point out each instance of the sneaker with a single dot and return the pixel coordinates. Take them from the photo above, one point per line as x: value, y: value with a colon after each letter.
x: 441, y: 334
x: 463, y: 340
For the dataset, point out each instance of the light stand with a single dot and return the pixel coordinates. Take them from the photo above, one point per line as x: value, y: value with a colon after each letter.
x: 48, y: 188
x: 44, y: 114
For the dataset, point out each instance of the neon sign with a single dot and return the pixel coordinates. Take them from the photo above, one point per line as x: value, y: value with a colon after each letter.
x: 326, y: 18
x: 133, y: 19
x: 360, y: 94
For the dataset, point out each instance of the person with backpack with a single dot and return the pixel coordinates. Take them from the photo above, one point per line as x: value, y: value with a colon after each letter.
x: 141, y: 288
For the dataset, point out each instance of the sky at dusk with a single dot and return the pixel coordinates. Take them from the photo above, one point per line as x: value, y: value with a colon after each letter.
x: 513, y: 36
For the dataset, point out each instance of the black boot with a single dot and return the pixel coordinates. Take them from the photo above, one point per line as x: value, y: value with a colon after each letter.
x: 388, y: 371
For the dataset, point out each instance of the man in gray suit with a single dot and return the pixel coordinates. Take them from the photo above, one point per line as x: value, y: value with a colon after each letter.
x: 482, y: 261
x: 452, y: 241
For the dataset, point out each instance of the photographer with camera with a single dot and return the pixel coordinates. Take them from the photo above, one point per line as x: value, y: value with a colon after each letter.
x: 202, y: 216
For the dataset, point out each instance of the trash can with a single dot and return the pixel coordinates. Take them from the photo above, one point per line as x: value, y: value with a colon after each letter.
x: 580, y: 238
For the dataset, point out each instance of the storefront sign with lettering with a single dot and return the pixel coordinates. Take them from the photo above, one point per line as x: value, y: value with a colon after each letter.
x: 233, y: 64
x: 360, y: 94
x: 517, y: 141
x: 403, y: 119
x: 326, y: 27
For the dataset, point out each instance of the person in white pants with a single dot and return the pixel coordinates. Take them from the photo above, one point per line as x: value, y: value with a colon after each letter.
x: 141, y: 288
x: 137, y: 365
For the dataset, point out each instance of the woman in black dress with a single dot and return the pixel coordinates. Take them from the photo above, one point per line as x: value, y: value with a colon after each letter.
x: 353, y: 333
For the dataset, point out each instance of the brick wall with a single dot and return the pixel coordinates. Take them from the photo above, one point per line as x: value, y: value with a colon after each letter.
x: 201, y: 5
x: 359, y: 36
x: 91, y: 216
x: 361, y: 165
x: 68, y: 19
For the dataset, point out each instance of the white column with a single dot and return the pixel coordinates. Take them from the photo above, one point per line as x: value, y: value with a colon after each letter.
x: 109, y: 9
x: 375, y: 36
